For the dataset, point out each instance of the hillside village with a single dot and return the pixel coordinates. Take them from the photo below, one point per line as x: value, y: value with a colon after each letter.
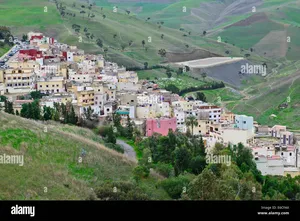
x: 65, y: 74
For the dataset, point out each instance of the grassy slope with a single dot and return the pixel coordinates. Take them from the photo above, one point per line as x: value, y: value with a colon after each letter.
x: 126, y: 27
x: 4, y: 49
x: 51, y: 160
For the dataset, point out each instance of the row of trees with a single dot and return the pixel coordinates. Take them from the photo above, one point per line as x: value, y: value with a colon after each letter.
x: 61, y: 112
x: 213, y: 85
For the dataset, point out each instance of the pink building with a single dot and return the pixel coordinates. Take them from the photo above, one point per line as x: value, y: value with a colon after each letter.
x: 160, y: 126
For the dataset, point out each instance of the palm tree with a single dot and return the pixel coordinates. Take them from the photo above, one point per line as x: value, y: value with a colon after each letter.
x: 191, y: 121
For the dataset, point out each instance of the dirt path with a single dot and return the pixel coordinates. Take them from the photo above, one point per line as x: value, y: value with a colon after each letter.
x: 128, y: 150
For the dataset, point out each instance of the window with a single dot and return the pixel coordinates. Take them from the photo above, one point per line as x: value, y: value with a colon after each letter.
x: 52, y: 85
x: 281, y: 153
x: 107, y: 109
x: 290, y: 154
x: 47, y: 85
x: 244, y: 122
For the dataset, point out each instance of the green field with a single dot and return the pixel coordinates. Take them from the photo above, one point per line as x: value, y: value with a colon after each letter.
x: 181, y: 81
x: 51, y: 159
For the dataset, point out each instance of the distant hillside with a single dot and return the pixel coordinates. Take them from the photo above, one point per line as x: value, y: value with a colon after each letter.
x: 121, y: 33
x: 51, y: 159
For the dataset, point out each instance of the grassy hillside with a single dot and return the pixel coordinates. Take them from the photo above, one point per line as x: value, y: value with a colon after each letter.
x: 51, y: 159
x: 116, y: 31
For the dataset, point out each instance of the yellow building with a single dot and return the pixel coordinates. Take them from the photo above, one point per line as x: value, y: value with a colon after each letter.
x: 24, y: 64
x: 228, y: 116
x: 51, y: 85
x: 78, y: 58
x: 85, y: 95
x: 17, y: 80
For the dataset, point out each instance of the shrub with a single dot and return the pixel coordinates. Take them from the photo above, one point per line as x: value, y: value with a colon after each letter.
x: 120, y: 191
x: 165, y: 170
x: 175, y: 186
x: 115, y: 147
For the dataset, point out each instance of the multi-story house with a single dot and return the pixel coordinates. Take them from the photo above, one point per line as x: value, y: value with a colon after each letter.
x: 160, y: 126
x: 49, y: 85
x: 18, y: 80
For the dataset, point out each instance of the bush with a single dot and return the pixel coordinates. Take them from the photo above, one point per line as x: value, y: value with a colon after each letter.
x: 115, y: 147
x: 141, y: 172
x: 175, y: 186
x: 163, y: 169
x: 102, y: 131
x: 120, y: 191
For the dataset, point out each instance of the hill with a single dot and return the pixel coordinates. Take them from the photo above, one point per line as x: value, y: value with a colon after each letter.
x: 121, y: 33
x: 51, y: 159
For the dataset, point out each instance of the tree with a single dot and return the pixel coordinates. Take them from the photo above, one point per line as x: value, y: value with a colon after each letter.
x: 72, y: 117
x: 140, y: 172
x: 114, y: 36
x: 8, y: 107
x: 111, y: 137
x: 116, y: 120
x: 203, y: 75
x: 162, y: 52
x: 128, y: 12
x: 200, y: 96
x: 129, y: 127
x: 169, y: 73
x: 99, y: 42
x: 143, y: 43
x: 175, y: 186
x: 104, y: 16
x: 182, y: 159
x: 82, y: 12
x: 204, y: 187
x: 145, y: 65
x: 191, y: 121
x: 105, y: 51
x: 88, y: 112
x: 24, y: 37
x: 36, y: 95
x: 204, y: 33
x: 123, y: 46
x: 47, y: 115
x: 172, y: 88
x: 36, y: 110
x: 17, y: 113
x: 162, y: 36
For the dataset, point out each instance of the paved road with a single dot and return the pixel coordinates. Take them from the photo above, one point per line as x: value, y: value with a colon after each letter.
x: 128, y: 150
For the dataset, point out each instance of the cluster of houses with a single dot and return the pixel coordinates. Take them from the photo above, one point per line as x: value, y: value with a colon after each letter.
x: 66, y: 74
